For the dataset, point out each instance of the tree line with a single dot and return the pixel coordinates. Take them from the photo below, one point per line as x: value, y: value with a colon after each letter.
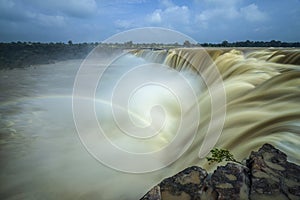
x: 248, y: 43
x: 24, y: 54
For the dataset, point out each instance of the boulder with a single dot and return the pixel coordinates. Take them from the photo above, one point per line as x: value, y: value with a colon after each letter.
x: 187, y: 184
x: 272, y: 176
x: 230, y: 182
x: 267, y: 175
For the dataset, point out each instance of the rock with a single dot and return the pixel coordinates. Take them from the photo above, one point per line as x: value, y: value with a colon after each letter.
x: 272, y: 176
x: 231, y: 182
x: 267, y: 175
x: 153, y: 194
x: 187, y: 184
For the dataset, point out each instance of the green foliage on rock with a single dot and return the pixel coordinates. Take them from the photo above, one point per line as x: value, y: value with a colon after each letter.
x: 219, y: 155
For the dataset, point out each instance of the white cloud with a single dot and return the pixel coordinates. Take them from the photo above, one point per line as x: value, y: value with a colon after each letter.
x: 252, y: 14
x: 155, y: 17
x: 222, y: 13
x: 223, y: 3
x: 217, y: 3
x: 170, y: 16
x: 116, y: 2
x: 124, y: 24
x: 206, y: 20
x: 167, y: 3
x: 228, y: 11
x: 219, y: 13
x: 135, y: 1
x: 73, y: 8
x: 178, y: 13
x: 15, y: 11
x: 219, y: 9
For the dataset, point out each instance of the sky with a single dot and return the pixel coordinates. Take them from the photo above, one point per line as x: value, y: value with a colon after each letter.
x: 97, y: 20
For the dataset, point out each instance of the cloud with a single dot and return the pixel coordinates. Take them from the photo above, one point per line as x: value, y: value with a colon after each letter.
x: 228, y: 12
x: 82, y: 8
x: 155, y: 17
x: 217, y: 14
x: 11, y: 11
x: 213, y: 4
x: 6, y: 4
x: 224, y: 11
x: 50, y: 20
x: 253, y: 14
x: 222, y: 2
x: 171, y: 16
x: 205, y: 20
x: 166, y: 3
x: 124, y: 24
x: 116, y: 2
x: 71, y: 8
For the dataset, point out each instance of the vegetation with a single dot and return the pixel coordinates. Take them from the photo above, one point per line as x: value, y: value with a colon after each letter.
x: 247, y: 43
x: 220, y: 155
x: 24, y: 54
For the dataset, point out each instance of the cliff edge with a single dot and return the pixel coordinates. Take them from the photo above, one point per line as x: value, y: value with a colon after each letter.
x: 266, y: 175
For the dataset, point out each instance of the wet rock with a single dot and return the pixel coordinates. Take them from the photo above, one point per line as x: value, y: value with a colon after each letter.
x: 153, y: 194
x: 231, y: 182
x: 267, y: 175
x: 185, y: 185
x: 272, y: 176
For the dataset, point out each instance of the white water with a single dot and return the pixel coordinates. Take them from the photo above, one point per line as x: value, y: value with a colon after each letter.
x: 41, y: 154
x: 43, y: 158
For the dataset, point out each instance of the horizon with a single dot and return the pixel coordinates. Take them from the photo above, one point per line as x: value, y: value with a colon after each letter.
x: 141, y: 43
x: 205, y: 21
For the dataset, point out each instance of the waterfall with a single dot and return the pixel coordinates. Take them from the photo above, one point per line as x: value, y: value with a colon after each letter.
x: 262, y: 97
x: 175, y: 91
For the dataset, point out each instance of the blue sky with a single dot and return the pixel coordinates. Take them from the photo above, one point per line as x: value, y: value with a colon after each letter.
x: 96, y: 20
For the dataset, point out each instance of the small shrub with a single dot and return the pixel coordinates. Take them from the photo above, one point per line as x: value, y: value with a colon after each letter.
x: 219, y: 155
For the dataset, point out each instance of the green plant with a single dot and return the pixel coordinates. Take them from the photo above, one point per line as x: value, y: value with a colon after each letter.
x: 219, y: 155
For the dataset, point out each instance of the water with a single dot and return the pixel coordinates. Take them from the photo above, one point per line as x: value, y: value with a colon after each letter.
x: 43, y: 157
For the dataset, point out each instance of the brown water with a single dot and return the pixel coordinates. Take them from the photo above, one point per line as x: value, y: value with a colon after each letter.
x: 43, y: 158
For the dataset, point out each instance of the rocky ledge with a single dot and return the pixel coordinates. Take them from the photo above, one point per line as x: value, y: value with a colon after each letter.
x: 266, y: 175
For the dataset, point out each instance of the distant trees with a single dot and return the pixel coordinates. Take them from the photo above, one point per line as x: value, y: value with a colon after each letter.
x: 128, y: 44
x: 187, y: 43
x: 225, y: 43
x: 23, y: 54
x: 248, y: 43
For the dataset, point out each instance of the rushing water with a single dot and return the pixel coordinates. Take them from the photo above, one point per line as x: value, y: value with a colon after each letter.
x: 42, y: 156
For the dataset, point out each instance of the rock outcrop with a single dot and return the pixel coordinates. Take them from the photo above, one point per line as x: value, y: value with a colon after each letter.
x: 267, y: 175
x: 272, y: 176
